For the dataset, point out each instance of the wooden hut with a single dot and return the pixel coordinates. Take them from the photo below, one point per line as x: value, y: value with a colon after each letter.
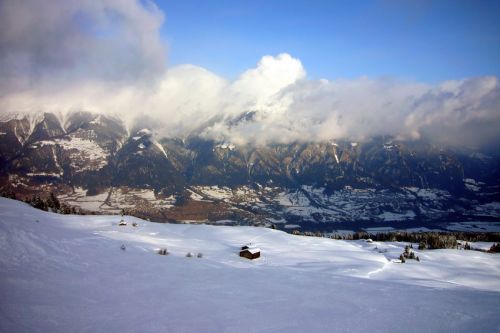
x: 250, y: 253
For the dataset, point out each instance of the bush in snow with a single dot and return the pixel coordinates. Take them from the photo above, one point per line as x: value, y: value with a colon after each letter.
x: 200, y: 255
x: 189, y: 255
x: 408, y: 254
x: 495, y: 248
x: 163, y: 251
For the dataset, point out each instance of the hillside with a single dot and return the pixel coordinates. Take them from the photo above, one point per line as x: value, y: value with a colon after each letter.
x: 63, y: 273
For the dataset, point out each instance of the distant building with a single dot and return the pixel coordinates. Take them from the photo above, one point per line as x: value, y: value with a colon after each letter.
x: 250, y: 253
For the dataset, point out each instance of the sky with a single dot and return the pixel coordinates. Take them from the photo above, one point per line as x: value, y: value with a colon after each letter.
x: 427, y: 41
x: 260, y: 72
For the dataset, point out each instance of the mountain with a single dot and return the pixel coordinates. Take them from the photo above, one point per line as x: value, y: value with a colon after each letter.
x: 63, y: 273
x: 94, y: 162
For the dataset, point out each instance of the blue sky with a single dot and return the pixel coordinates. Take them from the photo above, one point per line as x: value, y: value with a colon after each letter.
x: 427, y: 41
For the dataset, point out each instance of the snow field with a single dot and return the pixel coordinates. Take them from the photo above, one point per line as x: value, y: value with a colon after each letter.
x: 68, y: 274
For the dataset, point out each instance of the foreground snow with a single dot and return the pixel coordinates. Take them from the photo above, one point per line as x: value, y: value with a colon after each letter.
x: 68, y: 274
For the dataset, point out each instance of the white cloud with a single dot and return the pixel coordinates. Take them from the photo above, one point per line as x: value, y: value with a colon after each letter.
x: 48, y: 44
x: 106, y: 56
x: 257, y: 86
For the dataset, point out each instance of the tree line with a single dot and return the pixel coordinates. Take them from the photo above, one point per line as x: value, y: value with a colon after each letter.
x: 426, y: 240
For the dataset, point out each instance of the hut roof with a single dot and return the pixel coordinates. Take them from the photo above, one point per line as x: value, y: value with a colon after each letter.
x: 253, y: 250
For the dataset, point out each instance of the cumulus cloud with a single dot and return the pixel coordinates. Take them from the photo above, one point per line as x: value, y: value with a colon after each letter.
x: 106, y: 56
x: 255, y: 87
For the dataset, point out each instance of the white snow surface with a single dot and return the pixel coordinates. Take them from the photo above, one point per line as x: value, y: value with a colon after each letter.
x: 226, y: 145
x: 216, y: 192
x: 81, y: 152
x: 472, y: 184
x: 388, y: 216
x: 62, y: 273
x: 474, y: 226
x: 43, y: 174
x: 114, y: 199
x: 160, y: 148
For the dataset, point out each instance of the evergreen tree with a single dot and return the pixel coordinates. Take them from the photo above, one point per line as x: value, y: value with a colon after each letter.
x: 53, y: 202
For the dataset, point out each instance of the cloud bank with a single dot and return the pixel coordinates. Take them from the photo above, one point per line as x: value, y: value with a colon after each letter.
x: 106, y: 56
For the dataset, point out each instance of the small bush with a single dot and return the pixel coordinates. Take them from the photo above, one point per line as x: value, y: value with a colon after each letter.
x: 200, y: 255
x: 189, y: 255
x: 163, y: 252
x: 495, y: 248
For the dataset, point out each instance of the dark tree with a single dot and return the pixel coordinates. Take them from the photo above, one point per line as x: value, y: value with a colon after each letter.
x: 53, y: 202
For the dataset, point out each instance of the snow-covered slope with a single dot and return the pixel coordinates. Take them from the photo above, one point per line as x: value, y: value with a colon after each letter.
x: 64, y: 273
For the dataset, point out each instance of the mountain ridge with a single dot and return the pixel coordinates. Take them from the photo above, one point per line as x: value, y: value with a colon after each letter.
x: 96, y: 154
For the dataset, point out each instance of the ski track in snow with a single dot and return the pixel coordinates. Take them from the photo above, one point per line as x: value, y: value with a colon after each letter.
x: 62, y: 273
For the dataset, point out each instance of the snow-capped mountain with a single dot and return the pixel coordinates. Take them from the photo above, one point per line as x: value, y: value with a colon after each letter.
x: 94, y: 162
